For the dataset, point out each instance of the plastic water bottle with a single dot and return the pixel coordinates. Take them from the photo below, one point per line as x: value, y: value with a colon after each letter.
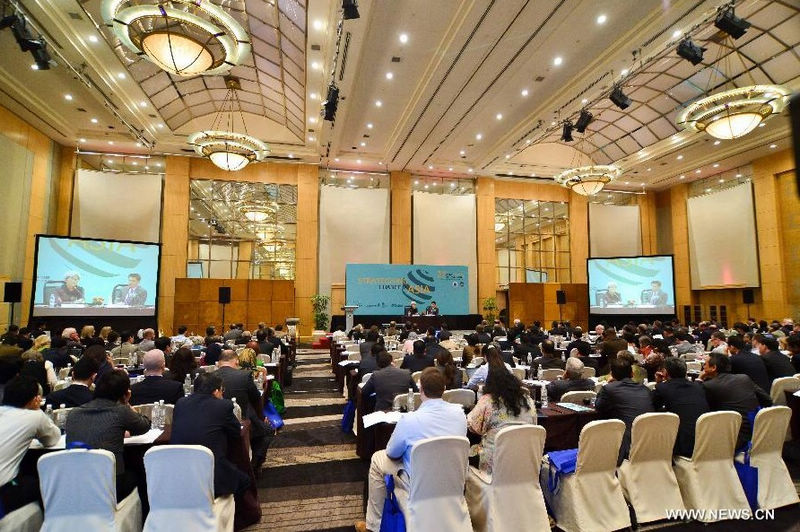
x: 52, y: 300
x: 162, y: 414
x: 410, y: 400
x: 187, y: 385
x: 237, y: 410
x: 61, y: 417
x: 539, y: 372
x: 49, y: 413
x: 544, y: 394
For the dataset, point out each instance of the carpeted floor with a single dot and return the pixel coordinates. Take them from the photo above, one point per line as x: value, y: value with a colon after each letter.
x: 313, y: 480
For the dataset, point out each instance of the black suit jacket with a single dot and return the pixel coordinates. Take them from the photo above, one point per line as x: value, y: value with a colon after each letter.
x: 414, y: 363
x: 58, y: 357
x: 796, y: 363
x: 688, y: 400
x: 71, y: 396
x: 524, y: 352
x: 213, y: 352
x: 624, y: 400
x: 547, y: 363
x: 739, y: 393
x: 365, y: 348
x: 750, y: 364
x: 778, y: 365
x: 202, y: 419
x: 556, y: 389
x: 387, y: 382
x: 508, y: 358
x: 239, y: 384
x: 153, y: 389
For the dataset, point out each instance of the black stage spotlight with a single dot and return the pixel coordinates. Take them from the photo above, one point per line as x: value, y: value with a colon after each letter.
x: 619, y: 98
x: 731, y: 24
x: 42, y: 58
x: 690, y: 51
x: 566, y: 134
x: 331, y: 103
x: 350, y: 8
x: 24, y: 39
x: 583, y: 121
x: 8, y: 21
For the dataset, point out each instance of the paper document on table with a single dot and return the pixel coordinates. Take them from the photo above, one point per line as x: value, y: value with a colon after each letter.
x: 148, y: 437
x: 61, y: 444
x: 381, y: 417
x: 574, y: 407
x: 348, y: 362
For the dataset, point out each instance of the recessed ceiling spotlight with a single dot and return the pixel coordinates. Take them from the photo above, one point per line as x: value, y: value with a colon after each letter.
x: 584, y: 101
x: 121, y: 75
x: 508, y: 156
x: 358, y: 161
x: 624, y: 72
x: 558, y: 60
x: 68, y: 97
x: 716, y: 165
x: 158, y: 165
x: 318, y: 24
x: 291, y: 156
x: 452, y: 185
x: 553, y: 123
x: 430, y: 167
x: 416, y: 182
x: 773, y: 146
x: 697, y: 171
x: 738, y: 175
x: 134, y: 163
x: 478, y: 136
x: 362, y: 144
x: 403, y: 38
x: 679, y: 157
x: 138, y: 144
x: 716, y: 143
x: 499, y: 116
x: 462, y: 153
x: 626, y: 182
x: 649, y: 169
x: 524, y: 92
x: 527, y: 141
x: 721, y: 180
x: 111, y: 142
x: 93, y: 120
x: 450, y: 169
x: 378, y: 103
x: 708, y: 190
x: 426, y: 187
x: 81, y: 140
x: 762, y: 124
x: 336, y: 159
x: 109, y: 161
x: 312, y: 119
x: 315, y: 65
x: 602, y: 19
x: 676, y: 34
x: 311, y: 138
x: 682, y: 177
x: 314, y: 96
x: 389, y: 75
x: 369, y: 125
x: 533, y: 174
x: 93, y: 38
x: 470, y: 170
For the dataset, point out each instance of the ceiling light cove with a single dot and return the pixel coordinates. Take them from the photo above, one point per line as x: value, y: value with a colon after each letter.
x: 183, y: 37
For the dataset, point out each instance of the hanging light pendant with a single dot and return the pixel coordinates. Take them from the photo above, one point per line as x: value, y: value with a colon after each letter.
x: 183, y: 37
x: 227, y: 149
x: 587, y: 180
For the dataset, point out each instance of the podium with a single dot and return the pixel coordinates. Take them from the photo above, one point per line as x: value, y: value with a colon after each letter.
x: 348, y: 316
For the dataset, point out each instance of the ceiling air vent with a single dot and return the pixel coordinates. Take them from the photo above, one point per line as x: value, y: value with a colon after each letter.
x: 395, y: 59
x: 316, y: 47
x: 538, y: 78
x: 75, y: 16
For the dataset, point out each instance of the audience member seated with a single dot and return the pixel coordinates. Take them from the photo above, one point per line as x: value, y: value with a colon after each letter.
x: 453, y: 376
x: 213, y: 349
x: 148, y: 340
x: 503, y: 403
x: 21, y: 420
x: 653, y: 364
x: 498, y: 330
x: 408, y: 344
x: 77, y: 393
x: 608, y: 349
x: 206, y: 418
x: 491, y: 354
x: 356, y: 333
x: 744, y: 362
x: 483, y: 337
x: 126, y: 348
x: 87, y: 335
x: 238, y: 383
x: 726, y: 391
x: 369, y: 362
x: 684, y: 343
x: 718, y: 342
x: 639, y: 373
x: 234, y: 332
x: 675, y: 393
x: 102, y: 423
x: 34, y: 365
x: 549, y: 358
x: 365, y: 347
x: 57, y: 353
x: 419, y: 360
x: 155, y: 387
x: 182, y: 363
x: 443, y: 333
x: 793, y: 346
x: 392, y: 329
x: 571, y: 381
x: 623, y: 399
x: 471, y: 350
x: 778, y: 365
x: 244, y: 338
x: 577, y: 334
x: 387, y: 381
x: 434, y: 417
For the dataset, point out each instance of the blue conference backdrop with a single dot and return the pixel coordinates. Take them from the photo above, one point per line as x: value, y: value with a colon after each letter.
x: 386, y: 289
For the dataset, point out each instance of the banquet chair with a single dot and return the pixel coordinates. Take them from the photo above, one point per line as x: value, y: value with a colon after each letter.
x: 780, y: 386
x: 400, y: 400
x: 463, y: 397
x: 518, y: 373
x: 651, y: 385
x: 180, y: 488
x: 79, y: 492
x: 588, y: 372
x: 590, y: 499
x: 646, y: 476
x: 551, y: 374
x: 775, y: 486
x: 365, y: 378
x: 25, y: 519
x: 266, y: 359
x: 208, y: 369
x: 577, y: 397
x: 511, y: 494
x: 435, y: 497
x: 415, y: 377
x: 457, y: 353
x: 63, y: 373
x: 708, y: 479
x: 476, y: 361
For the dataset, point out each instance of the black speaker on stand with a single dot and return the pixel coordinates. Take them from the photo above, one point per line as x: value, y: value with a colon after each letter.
x: 12, y: 293
x: 748, y: 298
x: 561, y: 299
x: 224, y: 299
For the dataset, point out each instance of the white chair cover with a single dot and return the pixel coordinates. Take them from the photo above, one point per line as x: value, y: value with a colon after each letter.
x: 365, y: 378
x: 462, y: 397
x: 551, y: 374
x: 577, y: 397
x: 79, y: 493
x: 647, y: 479
x: 147, y: 410
x: 694, y: 365
x: 775, y: 486
x: 400, y: 400
x: 588, y: 372
x: 511, y: 495
x: 591, y: 500
x: 780, y: 386
x: 415, y: 377
x: 208, y: 369
x: 708, y: 479
x: 435, y: 498
x: 518, y: 373
x: 476, y: 361
x: 180, y: 488
x: 63, y: 373
x: 26, y: 519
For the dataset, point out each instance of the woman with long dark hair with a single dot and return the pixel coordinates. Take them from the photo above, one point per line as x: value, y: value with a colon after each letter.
x: 453, y: 376
x: 503, y: 403
x: 181, y: 364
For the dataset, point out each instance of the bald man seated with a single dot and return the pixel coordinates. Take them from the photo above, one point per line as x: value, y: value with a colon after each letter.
x: 155, y: 386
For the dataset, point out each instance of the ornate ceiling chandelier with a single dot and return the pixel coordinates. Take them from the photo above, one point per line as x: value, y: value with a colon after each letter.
x: 587, y: 180
x: 227, y: 149
x: 734, y: 113
x: 183, y: 37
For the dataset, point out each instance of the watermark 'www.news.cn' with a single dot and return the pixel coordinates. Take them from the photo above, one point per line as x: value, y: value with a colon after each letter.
x: 721, y: 513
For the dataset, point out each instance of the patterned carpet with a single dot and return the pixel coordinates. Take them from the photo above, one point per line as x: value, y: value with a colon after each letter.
x: 313, y: 480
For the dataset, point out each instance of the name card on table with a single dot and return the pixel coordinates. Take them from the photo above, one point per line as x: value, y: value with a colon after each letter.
x: 381, y: 417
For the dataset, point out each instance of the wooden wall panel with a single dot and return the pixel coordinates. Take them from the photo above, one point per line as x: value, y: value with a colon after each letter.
x: 187, y: 291
x: 647, y: 220
x: 680, y: 243
x: 66, y: 181
x: 578, y: 236
x: 400, y: 251
x: 537, y: 302
x: 174, y: 237
x: 526, y: 302
x: 306, y: 278
x: 283, y: 291
x: 260, y: 290
x: 487, y: 256
x: 530, y: 191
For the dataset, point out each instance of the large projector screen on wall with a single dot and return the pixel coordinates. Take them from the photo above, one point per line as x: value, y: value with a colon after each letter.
x: 723, y: 251
x: 631, y: 285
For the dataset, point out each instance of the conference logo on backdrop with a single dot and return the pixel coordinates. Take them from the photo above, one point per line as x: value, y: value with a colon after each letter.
x: 105, y: 252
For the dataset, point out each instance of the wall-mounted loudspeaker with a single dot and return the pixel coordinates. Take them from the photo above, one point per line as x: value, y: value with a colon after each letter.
x: 224, y: 295
x: 12, y: 293
x: 561, y: 297
x: 748, y: 297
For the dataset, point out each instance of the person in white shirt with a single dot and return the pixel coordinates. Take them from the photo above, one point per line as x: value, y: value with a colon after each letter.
x: 180, y: 338
x: 718, y: 343
x: 21, y: 420
x: 433, y: 418
x: 492, y: 354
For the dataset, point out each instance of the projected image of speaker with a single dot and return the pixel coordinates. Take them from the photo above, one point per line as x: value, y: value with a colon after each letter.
x: 643, y: 285
x: 561, y: 297
x: 224, y: 295
x: 12, y: 293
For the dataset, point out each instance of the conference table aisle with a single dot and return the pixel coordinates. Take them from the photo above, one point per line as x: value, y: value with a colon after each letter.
x: 313, y: 479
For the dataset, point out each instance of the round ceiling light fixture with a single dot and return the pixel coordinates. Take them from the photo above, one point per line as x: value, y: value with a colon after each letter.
x: 587, y: 180
x: 183, y: 37
x: 734, y: 113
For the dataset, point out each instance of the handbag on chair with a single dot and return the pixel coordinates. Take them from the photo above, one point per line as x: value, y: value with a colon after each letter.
x: 392, y: 519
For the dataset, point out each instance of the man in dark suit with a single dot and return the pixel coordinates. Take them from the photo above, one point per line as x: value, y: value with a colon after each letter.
x: 483, y: 336
x: 793, y: 344
x: 57, y: 353
x: 657, y: 296
x: 134, y: 295
x: 571, y: 381
x: 238, y: 383
x: 155, y: 387
x: 549, y: 359
x: 365, y: 347
x: 582, y: 351
x: 387, y: 381
x: 778, y: 365
x: 623, y: 399
x: 206, y: 418
x: 577, y: 333
x: 526, y: 350
x: 609, y: 347
x: 78, y: 392
x: 213, y: 350
x: 745, y: 362
x: 685, y: 398
x: 726, y: 391
x: 419, y: 360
